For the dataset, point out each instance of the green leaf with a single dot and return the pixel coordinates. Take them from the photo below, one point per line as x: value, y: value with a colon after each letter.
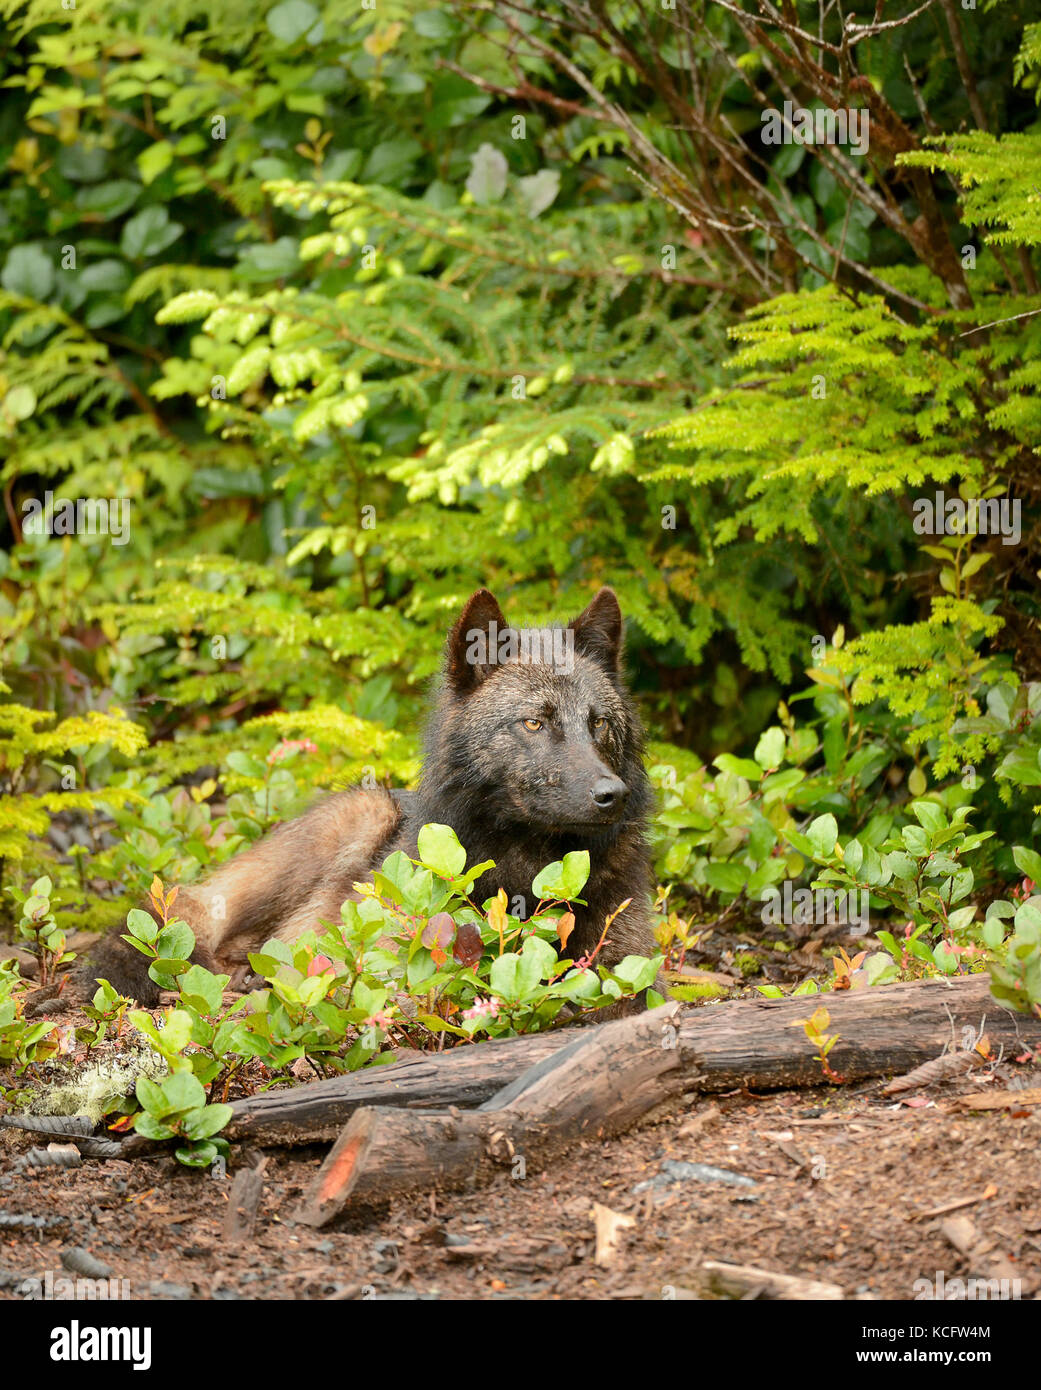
x: 504, y: 975
x: 1023, y: 766
x: 182, y: 1090
x: 488, y: 169
x: 1028, y: 861
x: 108, y: 201
x: 929, y: 815
x: 203, y: 1123
x: 726, y: 877
x: 538, y: 191
x: 176, y: 939
x: 176, y: 1032
x: 19, y: 403
x: 993, y: 933
x: 155, y: 160
x: 200, y: 982
x: 28, y: 271
x: 822, y: 834
x: 148, y: 233
x: 245, y: 764
x: 435, y: 24
x: 198, y: 1155
x: 853, y: 856
x: 539, y: 960
x: 391, y: 161
x: 439, y: 849
x: 144, y: 1023
x: 945, y: 959
x: 142, y: 925
x: 270, y: 260
x: 151, y: 1097
x: 564, y: 879
x: 638, y: 971
x: 739, y: 767
x: 150, y: 1127
x: 769, y: 751
x: 291, y: 20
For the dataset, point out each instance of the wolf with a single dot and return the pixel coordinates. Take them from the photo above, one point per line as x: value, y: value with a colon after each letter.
x: 533, y: 749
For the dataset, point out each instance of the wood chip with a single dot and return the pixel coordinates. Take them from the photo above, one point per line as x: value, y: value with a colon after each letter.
x: 702, y: 1119
x: 739, y: 1281
x: 1000, y: 1100
x: 609, y: 1226
x: 246, y: 1192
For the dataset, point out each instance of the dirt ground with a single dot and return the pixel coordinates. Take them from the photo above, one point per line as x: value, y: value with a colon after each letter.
x: 847, y: 1187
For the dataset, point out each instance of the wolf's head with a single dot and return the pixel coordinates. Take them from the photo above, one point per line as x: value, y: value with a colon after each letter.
x: 534, y: 725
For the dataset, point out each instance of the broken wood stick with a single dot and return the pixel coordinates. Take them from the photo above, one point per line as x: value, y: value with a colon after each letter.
x: 1000, y: 1100
x: 985, y: 1261
x: 244, y: 1203
x: 742, y: 1281
x: 755, y: 1044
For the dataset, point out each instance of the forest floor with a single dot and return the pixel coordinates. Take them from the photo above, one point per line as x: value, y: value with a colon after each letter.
x: 839, y: 1184
x: 848, y: 1189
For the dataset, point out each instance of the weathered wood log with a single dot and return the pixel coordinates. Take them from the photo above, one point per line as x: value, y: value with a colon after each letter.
x: 597, y: 1086
x: 463, y: 1076
x: 610, y: 1077
x: 752, y: 1043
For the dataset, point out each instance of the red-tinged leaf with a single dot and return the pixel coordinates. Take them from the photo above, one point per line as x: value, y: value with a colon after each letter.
x: 565, y: 927
x: 437, y: 956
x: 917, y: 1102
x: 124, y: 1122
x: 468, y: 947
x: 438, y: 935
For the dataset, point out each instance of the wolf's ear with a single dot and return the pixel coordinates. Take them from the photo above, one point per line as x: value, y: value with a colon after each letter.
x: 473, y: 643
x: 598, y: 630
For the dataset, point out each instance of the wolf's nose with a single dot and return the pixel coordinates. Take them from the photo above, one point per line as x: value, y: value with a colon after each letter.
x: 608, y: 792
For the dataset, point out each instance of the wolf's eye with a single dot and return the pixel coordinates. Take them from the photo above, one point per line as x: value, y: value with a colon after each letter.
x: 600, y: 724
x: 533, y: 725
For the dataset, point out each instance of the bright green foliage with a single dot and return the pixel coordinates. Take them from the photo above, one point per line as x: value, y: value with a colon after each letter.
x: 62, y: 769
x: 998, y: 176
x: 349, y: 344
x: 21, y: 1041
x: 416, y: 962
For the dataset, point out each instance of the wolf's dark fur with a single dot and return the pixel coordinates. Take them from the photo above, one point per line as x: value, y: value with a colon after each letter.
x: 525, y: 760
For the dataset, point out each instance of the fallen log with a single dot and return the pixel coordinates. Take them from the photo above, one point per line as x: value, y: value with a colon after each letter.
x: 609, y: 1077
x: 464, y: 1076
x: 596, y: 1085
x: 756, y: 1044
